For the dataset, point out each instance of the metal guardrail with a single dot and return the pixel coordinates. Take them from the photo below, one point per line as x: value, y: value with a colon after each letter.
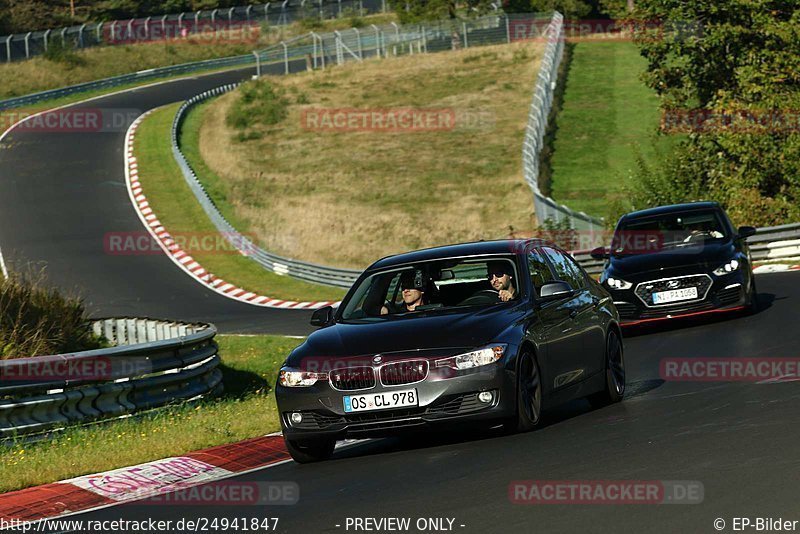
x: 771, y: 243
x: 548, y: 210
x: 272, y: 262
x: 155, y: 363
x: 23, y: 46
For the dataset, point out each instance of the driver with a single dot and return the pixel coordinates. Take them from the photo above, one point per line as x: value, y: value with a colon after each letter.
x: 501, y: 274
x: 413, y: 287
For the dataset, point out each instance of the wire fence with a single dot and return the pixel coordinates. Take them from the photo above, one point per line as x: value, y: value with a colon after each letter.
x: 240, y: 22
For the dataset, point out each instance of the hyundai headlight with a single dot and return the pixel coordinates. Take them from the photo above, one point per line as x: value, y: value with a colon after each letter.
x: 728, y: 268
x: 476, y: 358
x: 616, y: 283
x: 295, y: 378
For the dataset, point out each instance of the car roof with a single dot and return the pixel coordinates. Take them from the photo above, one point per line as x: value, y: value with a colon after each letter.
x: 477, y: 248
x: 673, y: 208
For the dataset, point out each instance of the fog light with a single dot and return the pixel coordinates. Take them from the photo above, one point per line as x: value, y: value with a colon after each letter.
x: 485, y: 396
x: 296, y: 418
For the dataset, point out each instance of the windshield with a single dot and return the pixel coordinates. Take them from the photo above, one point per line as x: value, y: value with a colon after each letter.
x: 650, y: 234
x: 432, y: 287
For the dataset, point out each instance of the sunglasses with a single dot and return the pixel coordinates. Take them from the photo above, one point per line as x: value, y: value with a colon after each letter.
x: 498, y: 274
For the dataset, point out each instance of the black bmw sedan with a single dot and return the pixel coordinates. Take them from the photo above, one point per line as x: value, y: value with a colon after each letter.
x: 487, y: 332
x: 678, y: 261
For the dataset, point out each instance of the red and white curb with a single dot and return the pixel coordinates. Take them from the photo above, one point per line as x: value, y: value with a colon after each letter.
x: 101, y: 490
x: 180, y: 257
x: 775, y: 268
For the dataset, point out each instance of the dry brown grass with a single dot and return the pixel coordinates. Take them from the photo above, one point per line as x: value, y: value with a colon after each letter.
x: 347, y: 198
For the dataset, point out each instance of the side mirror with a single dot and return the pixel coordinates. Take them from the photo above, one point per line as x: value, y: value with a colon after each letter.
x: 322, y: 316
x: 746, y: 231
x: 599, y: 253
x: 555, y: 290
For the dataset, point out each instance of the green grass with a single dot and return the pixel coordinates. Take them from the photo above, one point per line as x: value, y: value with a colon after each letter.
x: 608, y: 117
x: 245, y: 410
x: 178, y: 210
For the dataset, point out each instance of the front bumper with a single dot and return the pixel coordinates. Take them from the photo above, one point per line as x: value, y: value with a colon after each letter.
x: 724, y: 294
x: 444, y: 401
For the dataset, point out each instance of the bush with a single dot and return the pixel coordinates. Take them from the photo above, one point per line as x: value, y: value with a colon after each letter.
x: 259, y: 103
x: 59, y: 51
x: 36, y: 320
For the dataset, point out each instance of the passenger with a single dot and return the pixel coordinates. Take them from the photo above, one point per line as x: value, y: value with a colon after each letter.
x: 413, y: 289
x: 501, y: 274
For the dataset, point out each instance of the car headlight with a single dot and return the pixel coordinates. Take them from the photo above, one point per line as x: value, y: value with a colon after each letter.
x: 476, y: 358
x: 616, y: 283
x: 294, y: 378
x: 727, y: 268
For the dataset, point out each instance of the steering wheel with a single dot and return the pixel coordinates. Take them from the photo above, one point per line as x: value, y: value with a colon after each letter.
x: 698, y: 234
x: 484, y: 296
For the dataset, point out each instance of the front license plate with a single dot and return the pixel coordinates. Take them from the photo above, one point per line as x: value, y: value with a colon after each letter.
x: 674, y: 295
x: 380, y: 401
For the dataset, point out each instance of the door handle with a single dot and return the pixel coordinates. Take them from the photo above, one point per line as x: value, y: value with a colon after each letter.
x: 573, y: 314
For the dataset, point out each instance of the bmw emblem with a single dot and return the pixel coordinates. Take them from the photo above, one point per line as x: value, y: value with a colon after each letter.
x: 377, y: 359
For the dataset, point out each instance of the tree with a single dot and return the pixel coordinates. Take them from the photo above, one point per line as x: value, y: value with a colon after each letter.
x: 728, y: 67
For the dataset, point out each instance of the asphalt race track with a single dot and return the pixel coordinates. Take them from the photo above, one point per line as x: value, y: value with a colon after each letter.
x: 61, y: 192
x: 738, y: 439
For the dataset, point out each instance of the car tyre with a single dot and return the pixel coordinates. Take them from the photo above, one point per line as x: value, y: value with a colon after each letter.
x: 614, y: 388
x: 752, y: 298
x: 308, y: 451
x: 529, y: 395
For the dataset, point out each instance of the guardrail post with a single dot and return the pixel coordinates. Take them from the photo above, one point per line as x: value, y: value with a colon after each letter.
x: 111, y: 37
x: 339, y: 54
x: 45, y: 36
x: 266, y: 12
x: 80, y: 35
x: 258, y: 64
x: 285, y: 57
x: 247, y: 12
x: 396, y: 37
x: 164, y: 27
x: 424, y: 40
x: 360, y: 50
x: 98, y: 32
x: 508, y: 30
x: 130, y: 29
x: 377, y: 40
x: 146, y: 29
x: 8, y: 48
x: 196, y: 22
x: 230, y: 16
x: 284, y: 18
x: 213, y: 16
x: 27, y: 45
x: 464, y: 28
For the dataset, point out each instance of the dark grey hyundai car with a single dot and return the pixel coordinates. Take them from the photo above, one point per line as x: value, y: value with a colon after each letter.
x: 678, y: 261
x: 486, y: 332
